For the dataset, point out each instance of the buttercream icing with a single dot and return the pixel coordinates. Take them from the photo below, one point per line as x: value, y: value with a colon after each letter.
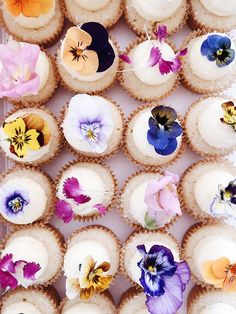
x: 21, y: 307
x: 92, y: 5
x: 220, y: 8
x: 84, y: 308
x: 218, y: 308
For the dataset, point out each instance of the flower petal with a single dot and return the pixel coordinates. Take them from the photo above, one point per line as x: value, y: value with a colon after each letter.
x: 82, y: 199
x: 159, y: 140
x: 125, y: 58
x: 87, y: 267
x: 208, y: 274
x: 224, y: 42
x: 169, y: 149
x: 164, y: 115
x: 64, y: 211
x: 153, y: 285
x: 90, y: 63
x: 72, y: 188
x: 165, y: 66
x: 142, y: 250
x: 155, y: 55
x: 219, y: 267
x: 72, y: 288
x: 7, y: 264
x: 98, y: 33
x: 101, y: 208
x: 7, y: 281
x: 106, y: 58
x: 14, y: 127
x: 183, y: 272
x: 30, y: 270
x: 32, y: 143
x: 161, y: 32
x: 173, y: 130
x: 105, y: 266
x: 86, y: 293
x: 229, y: 284
x: 77, y: 36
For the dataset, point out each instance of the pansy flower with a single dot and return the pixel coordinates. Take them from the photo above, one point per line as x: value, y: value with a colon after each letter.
x: 218, y: 49
x: 162, y: 279
x: 229, y: 114
x: 164, y: 130
x: 92, y: 279
x: 32, y: 8
x: 87, y: 49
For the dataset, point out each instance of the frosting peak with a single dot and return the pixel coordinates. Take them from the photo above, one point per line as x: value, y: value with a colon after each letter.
x: 220, y: 8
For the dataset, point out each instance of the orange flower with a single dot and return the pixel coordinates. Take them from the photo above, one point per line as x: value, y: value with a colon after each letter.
x: 75, y: 54
x: 29, y: 8
x: 220, y: 273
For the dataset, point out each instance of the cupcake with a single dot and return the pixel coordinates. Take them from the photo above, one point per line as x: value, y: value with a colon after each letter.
x: 212, y: 15
x: 154, y: 136
x: 30, y: 136
x: 87, y: 59
x: 132, y: 302
x: 92, y: 125
x: 145, y: 15
x: 91, y: 262
x: 85, y: 190
x: 26, y: 196
x: 208, y: 191
x: 149, y: 200
x: 28, y: 75
x: 210, y: 126
x: 210, y: 251
x: 105, y: 12
x: 210, y: 65
x: 151, y: 261
x: 213, y: 301
x: 31, y: 256
x: 150, y: 67
x: 101, y: 303
x: 30, y: 301
x: 39, y: 23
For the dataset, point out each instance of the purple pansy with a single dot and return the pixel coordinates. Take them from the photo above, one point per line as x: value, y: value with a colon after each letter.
x: 162, y: 279
x: 13, y: 201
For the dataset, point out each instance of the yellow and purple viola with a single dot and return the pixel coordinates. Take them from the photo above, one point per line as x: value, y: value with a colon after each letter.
x: 229, y: 117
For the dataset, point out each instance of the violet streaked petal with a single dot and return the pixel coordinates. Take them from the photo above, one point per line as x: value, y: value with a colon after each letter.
x: 184, y: 272
x: 71, y: 188
x: 161, y: 32
x: 7, y: 281
x: 30, y: 270
x: 125, y: 58
x: 165, y: 67
x: 82, y: 199
x: 155, y: 56
x: 182, y: 52
x: 175, y: 177
x: 64, y: 211
x: 101, y: 208
x: 7, y: 264
x: 142, y: 250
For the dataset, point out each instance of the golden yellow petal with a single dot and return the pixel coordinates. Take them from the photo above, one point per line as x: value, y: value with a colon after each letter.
x: 20, y: 150
x: 208, y: 275
x: 32, y: 143
x: 12, y: 128
x: 86, y: 294
x: 35, y: 8
x: 87, y: 267
x: 46, y: 133
x: 219, y: 267
x: 33, y: 121
x: 12, y: 7
x: 90, y: 64
x: 102, y: 284
x: 105, y: 266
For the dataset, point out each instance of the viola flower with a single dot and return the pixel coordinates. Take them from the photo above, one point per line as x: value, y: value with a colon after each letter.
x: 162, y: 279
x: 13, y: 201
x: 17, y: 75
x: 32, y: 8
x: 87, y: 49
x: 229, y: 114
x: 164, y: 130
x: 162, y: 200
x: 218, y: 49
x: 91, y: 280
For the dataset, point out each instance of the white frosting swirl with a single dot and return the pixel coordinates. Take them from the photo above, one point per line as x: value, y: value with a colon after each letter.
x: 207, y: 187
x: 42, y: 69
x: 201, y: 66
x: 212, y: 130
x: 218, y: 308
x: 84, y: 308
x: 35, y: 22
x: 92, y: 5
x: 37, y: 199
x: 140, y: 56
x: 219, y: 7
x: 28, y: 249
x: 21, y: 307
x: 154, y: 10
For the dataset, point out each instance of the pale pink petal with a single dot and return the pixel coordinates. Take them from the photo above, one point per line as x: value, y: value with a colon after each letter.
x: 101, y: 208
x: 175, y: 177
x: 7, y: 264
x: 169, y: 201
x: 71, y: 188
x: 64, y: 211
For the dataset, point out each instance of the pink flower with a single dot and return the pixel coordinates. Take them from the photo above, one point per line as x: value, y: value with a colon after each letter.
x: 101, y: 208
x: 162, y: 199
x: 73, y: 190
x: 64, y: 211
x: 17, y: 71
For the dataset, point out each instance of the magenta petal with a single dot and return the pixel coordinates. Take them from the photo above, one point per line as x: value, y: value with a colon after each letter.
x: 71, y: 188
x: 82, y: 199
x: 64, y: 211
x: 101, y: 208
x: 183, y: 52
x: 165, y: 67
x: 155, y: 56
x: 30, y: 270
x: 7, y: 264
x: 161, y: 32
x: 7, y: 280
x: 125, y: 58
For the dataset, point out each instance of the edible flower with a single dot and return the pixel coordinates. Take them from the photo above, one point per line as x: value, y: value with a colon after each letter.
x: 13, y: 201
x: 224, y: 204
x: 87, y: 49
x: 164, y: 130
x: 17, y: 69
x: 220, y: 273
x: 13, y: 274
x: 156, y: 59
x: 229, y: 114
x: 162, y: 279
x: 162, y: 200
x: 73, y: 191
x: 32, y: 8
x: 218, y: 49
x: 91, y: 280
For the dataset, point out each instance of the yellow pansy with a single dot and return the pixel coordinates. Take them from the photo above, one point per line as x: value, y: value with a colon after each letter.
x: 229, y: 114
x: 32, y: 8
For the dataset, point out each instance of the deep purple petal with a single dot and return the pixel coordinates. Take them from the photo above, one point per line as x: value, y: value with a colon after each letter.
x: 153, y: 285
x: 125, y: 58
x: 7, y: 264
x: 155, y: 249
x: 71, y: 188
x: 155, y: 56
x: 213, y: 41
x: 98, y: 33
x: 82, y: 199
x: 165, y: 66
x: 142, y: 250
x: 184, y: 272
x: 182, y: 52
x: 173, y: 130
x: 161, y: 32
x: 30, y: 270
x: 101, y: 208
x: 64, y: 211
x: 7, y: 281
x: 159, y: 140
x: 169, y: 149
x: 106, y: 58
x: 224, y: 42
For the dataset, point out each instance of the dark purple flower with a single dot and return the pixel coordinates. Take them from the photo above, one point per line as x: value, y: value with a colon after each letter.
x: 64, y: 211
x: 125, y: 58
x: 161, y: 32
x: 13, y: 201
x: 162, y: 279
x: 30, y: 270
x: 73, y: 190
x: 101, y: 208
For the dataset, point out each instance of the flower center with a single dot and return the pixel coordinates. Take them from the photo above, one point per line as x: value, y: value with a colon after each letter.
x: 79, y: 52
x: 219, y: 52
x: 90, y: 135
x: 151, y: 268
x: 16, y: 204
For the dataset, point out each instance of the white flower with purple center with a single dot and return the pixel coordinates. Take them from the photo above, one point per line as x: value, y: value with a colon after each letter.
x: 13, y: 201
x: 88, y: 123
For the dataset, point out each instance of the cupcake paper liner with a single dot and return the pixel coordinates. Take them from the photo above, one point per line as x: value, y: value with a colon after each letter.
x: 96, y: 157
x: 59, y: 237
x: 49, y: 212
x: 152, y: 168
x: 137, y: 41
x: 93, y: 161
x: 37, y: 163
x: 127, y: 296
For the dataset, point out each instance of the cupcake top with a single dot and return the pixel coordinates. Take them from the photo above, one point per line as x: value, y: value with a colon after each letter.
x: 156, y: 10
x: 219, y: 8
x: 133, y: 302
x: 94, y: 267
x: 86, y: 52
x: 24, y: 75
x: 27, y: 135
x: 91, y: 125
x: 212, y: 56
x: 150, y: 199
x: 28, y: 15
x: 92, y: 5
